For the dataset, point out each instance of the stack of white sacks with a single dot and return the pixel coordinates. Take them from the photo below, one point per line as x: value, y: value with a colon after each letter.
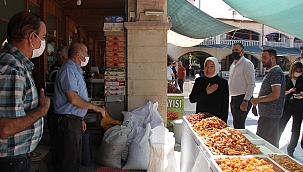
x: 141, y: 143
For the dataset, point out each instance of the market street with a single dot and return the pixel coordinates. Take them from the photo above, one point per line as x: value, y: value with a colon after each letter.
x: 251, y: 121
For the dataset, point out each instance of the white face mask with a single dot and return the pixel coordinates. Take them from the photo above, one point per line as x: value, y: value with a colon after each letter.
x: 85, y: 62
x: 39, y: 51
x: 296, y: 74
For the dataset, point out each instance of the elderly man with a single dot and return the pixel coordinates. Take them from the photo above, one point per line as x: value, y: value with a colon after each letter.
x: 61, y: 58
x: 21, y: 112
x: 71, y: 105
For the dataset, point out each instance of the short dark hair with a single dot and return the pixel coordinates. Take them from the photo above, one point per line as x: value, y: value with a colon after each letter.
x: 21, y: 25
x: 239, y: 43
x: 271, y: 51
x: 301, y: 48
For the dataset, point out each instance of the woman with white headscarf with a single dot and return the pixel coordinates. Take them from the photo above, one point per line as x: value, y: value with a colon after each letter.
x: 210, y: 92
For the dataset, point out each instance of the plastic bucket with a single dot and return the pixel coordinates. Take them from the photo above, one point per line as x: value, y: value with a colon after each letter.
x: 177, y: 129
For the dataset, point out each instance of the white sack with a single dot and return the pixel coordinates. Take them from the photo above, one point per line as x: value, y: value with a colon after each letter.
x: 162, y: 156
x: 139, y: 150
x: 112, y: 145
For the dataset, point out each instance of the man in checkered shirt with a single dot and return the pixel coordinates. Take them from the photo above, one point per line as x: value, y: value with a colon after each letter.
x: 21, y: 108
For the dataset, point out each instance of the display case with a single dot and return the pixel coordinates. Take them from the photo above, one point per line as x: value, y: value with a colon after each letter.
x: 196, y: 156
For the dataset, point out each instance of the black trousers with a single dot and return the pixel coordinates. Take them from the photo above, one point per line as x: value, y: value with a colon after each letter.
x: 66, y: 142
x: 15, y: 164
x: 292, y: 110
x: 180, y: 83
x: 239, y: 116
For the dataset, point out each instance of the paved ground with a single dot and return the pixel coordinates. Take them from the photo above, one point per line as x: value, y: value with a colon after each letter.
x: 251, y: 122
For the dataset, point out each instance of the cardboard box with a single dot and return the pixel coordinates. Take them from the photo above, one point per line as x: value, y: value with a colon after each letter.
x: 115, y: 88
x: 115, y: 43
x: 118, y: 83
x: 115, y: 59
x: 115, y: 38
x: 110, y: 73
x: 114, y: 19
x: 113, y: 27
x: 114, y: 78
x: 115, y: 49
x: 115, y: 65
x: 115, y: 54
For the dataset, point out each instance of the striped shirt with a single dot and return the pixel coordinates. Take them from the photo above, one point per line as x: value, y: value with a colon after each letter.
x: 18, y: 95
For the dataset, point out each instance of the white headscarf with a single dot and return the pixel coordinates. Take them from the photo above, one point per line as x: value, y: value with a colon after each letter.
x: 217, y: 67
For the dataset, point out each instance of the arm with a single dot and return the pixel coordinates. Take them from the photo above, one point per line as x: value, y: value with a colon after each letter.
x: 184, y: 71
x: 11, y: 126
x: 77, y: 101
x: 274, y: 95
x: 249, y: 74
x: 225, y: 102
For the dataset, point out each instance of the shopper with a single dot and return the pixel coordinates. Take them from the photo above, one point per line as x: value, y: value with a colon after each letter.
x: 210, y: 91
x: 241, y: 85
x: 61, y: 58
x: 71, y: 105
x: 170, y: 74
x: 301, y: 57
x: 181, y: 75
x: 175, y: 71
x: 271, y: 98
x: 293, y: 106
x: 22, y: 110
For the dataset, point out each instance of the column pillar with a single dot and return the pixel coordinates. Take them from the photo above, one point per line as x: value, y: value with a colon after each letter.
x: 147, y: 64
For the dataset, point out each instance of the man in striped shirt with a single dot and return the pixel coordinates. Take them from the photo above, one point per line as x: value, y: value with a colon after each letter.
x: 21, y: 109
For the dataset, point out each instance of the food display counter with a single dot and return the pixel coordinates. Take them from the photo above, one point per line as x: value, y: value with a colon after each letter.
x: 196, y: 156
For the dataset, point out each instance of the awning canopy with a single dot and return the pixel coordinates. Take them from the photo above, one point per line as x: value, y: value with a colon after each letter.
x: 190, y: 21
x: 283, y: 15
x: 181, y: 41
x: 256, y: 49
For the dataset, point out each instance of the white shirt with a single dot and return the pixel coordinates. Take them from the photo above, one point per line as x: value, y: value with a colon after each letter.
x: 242, y: 78
x: 169, y: 73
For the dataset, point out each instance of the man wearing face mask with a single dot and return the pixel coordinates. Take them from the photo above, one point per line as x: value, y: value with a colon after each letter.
x: 241, y: 85
x: 71, y: 105
x: 22, y: 109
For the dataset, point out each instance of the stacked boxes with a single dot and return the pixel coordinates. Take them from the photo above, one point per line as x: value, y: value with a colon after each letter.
x: 114, y: 75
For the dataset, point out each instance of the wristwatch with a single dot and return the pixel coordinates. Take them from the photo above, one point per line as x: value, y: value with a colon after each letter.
x: 245, y: 101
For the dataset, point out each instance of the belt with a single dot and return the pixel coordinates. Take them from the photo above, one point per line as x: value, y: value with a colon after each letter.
x: 25, y: 155
x: 72, y: 117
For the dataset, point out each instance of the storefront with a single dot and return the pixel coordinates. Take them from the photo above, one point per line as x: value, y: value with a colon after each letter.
x: 144, y: 47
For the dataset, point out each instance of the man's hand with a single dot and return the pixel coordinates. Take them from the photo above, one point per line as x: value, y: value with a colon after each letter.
x: 243, y: 106
x: 100, y: 110
x: 83, y: 126
x: 254, y: 101
x: 211, y: 89
x: 44, y: 101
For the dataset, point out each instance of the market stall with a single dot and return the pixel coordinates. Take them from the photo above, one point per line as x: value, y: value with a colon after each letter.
x: 208, y: 144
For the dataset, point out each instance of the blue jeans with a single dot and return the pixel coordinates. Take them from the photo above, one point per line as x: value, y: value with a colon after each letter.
x: 268, y: 129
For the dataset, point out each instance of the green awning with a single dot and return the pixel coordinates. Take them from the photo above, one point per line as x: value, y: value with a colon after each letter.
x: 190, y: 21
x: 283, y: 15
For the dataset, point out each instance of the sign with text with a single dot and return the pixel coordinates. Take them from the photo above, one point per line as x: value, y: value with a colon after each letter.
x: 175, y: 108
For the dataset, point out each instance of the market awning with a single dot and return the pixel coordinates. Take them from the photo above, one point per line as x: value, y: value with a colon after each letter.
x: 181, y: 41
x: 283, y: 15
x: 190, y: 21
x: 285, y: 51
x: 257, y: 49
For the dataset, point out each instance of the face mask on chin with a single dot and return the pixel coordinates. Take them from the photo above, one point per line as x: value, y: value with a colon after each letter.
x: 236, y: 55
x: 40, y: 50
x: 85, y: 62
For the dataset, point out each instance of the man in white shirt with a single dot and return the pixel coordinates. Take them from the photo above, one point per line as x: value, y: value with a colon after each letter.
x: 241, y: 85
x: 170, y: 74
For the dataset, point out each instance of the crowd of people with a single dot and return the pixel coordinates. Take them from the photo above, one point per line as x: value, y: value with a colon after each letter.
x: 280, y: 97
x: 23, y: 108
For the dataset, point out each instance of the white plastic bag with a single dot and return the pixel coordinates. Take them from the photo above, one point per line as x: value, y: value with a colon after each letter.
x: 162, y: 156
